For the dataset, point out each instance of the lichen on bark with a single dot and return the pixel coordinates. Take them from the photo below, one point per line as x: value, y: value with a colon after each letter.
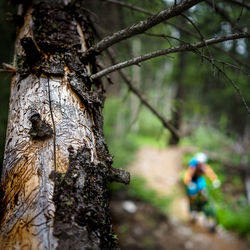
x: 82, y: 219
x: 57, y: 163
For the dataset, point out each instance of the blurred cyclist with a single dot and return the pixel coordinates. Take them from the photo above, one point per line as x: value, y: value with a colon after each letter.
x: 196, y: 183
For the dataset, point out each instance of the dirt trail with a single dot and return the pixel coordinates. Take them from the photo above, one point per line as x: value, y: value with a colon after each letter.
x: 161, y: 169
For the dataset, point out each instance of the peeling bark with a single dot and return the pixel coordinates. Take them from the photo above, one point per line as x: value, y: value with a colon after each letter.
x: 56, y: 161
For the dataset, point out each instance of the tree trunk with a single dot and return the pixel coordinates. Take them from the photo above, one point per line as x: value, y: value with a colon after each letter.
x: 178, y: 100
x: 56, y: 161
x: 176, y: 119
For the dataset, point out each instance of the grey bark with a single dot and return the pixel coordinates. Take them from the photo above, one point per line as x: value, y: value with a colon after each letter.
x: 56, y: 162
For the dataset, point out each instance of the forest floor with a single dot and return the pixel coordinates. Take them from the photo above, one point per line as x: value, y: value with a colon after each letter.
x: 145, y: 227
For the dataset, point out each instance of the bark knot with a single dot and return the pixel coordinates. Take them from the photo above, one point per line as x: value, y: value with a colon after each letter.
x: 40, y: 130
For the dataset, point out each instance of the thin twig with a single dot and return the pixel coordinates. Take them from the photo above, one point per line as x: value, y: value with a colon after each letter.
x: 201, y: 36
x: 143, y: 100
x: 8, y: 68
x: 228, y: 78
x: 185, y: 47
x: 184, y: 42
x: 180, y: 28
x: 141, y: 10
x: 141, y: 27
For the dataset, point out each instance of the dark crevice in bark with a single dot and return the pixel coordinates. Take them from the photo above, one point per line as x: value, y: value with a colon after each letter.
x: 82, y: 219
x: 40, y: 130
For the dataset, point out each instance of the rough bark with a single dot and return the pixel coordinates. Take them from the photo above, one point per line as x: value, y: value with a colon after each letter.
x: 56, y: 162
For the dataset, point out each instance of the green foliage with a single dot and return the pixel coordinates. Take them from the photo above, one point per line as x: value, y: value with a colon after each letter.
x: 114, y: 130
x: 235, y: 219
x: 122, y: 140
x: 231, y: 212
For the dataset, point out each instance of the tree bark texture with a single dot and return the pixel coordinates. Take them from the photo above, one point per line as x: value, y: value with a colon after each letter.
x: 56, y: 162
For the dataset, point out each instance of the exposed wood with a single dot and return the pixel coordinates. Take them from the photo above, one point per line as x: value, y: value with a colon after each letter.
x: 56, y: 162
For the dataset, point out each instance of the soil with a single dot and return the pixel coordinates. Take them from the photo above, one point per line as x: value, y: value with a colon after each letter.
x: 145, y: 227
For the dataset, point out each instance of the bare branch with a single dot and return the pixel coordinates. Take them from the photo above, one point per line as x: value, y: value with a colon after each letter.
x: 185, y: 47
x: 141, y: 10
x: 182, y: 41
x: 201, y: 36
x: 228, y: 78
x: 180, y: 28
x: 141, y: 27
x: 8, y: 68
x: 143, y: 100
x: 235, y: 87
x: 131, y: 86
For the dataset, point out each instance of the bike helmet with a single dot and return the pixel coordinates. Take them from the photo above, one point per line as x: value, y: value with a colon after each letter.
x: 201, y: 157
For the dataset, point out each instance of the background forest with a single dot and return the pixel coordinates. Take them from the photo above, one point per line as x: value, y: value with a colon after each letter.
x: 185, y: 88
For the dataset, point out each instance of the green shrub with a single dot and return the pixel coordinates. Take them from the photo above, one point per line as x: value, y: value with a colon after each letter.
x: 235, y: 219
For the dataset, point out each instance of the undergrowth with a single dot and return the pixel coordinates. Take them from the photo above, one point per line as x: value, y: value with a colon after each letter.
x: 139, y: 190
x: 124, y: 140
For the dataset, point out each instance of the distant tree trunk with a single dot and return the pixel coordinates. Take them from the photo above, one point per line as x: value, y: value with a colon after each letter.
x: 56, y: 161
x: 136, y: 76
x: 178, y: 100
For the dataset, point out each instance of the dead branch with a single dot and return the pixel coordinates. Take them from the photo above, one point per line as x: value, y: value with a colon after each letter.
x: 235, y: 87
x: 143, y: 100
x: 141, y: 10
x: 141, y: 27
x: 184, y: 42
x: 227, y: 77
x: 8, y: 68
x: 185, y: 47
x: 178, y: 27
x: 131, y: 86
x: 201, y: 36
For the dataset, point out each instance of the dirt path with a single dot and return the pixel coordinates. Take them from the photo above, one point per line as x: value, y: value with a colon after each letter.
x: 161, y: 169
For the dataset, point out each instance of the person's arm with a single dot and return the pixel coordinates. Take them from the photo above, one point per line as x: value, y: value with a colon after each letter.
x: 210, y: 173
x: 212, y: 176
x: 188, y: 175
